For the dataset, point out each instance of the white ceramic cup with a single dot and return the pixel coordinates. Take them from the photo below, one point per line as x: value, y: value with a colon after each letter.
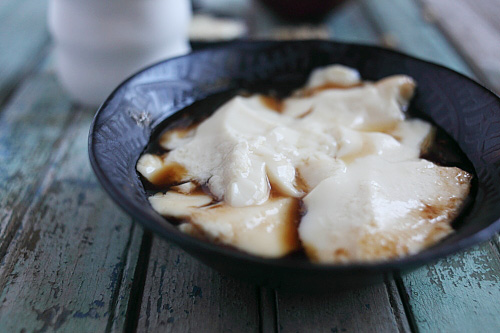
x: 98, y: 43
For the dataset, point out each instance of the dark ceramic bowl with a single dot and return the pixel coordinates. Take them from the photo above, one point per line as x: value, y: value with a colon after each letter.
x: 197, y: 83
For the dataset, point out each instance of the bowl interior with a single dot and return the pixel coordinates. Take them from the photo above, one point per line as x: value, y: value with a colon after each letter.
x: 199, y: 82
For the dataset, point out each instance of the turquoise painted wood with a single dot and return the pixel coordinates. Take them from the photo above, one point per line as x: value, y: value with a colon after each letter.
x: 458, y: 294
x: 349, y: 24
x: 72, y: 249
x: 23, y: 36
x: 123, y: 302
x: 466, y: 288
x: 369, y: 309
x: 182, y: 295
x: 71, y: 261
x: 31, y: 130
x: 401, y: 25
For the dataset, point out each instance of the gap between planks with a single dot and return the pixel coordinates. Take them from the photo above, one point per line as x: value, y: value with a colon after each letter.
x: 139, y: 281
x: 130, y: 261
x: 268, y: 310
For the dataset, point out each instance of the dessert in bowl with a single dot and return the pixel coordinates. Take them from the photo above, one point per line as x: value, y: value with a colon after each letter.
x: 334, y: 169
x: 191, y: 88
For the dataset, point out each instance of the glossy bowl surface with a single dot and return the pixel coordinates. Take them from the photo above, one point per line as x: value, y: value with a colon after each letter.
x: 156, y: 96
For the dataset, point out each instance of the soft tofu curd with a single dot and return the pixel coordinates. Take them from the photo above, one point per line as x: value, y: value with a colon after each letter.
x: 334, y: 169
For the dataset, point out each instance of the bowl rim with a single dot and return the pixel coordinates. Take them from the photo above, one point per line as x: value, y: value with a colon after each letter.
x: 426, y: 256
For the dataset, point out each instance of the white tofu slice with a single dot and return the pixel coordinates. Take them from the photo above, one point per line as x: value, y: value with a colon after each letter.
x: 178, y: 205
x: 371, y: 107
x: 268, y: 230
x: 318, y: 167
x: 334, y: 74
x: 379, y: 210
x: 414, y: 134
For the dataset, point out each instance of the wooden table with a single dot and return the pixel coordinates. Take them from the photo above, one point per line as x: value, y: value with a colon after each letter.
x: 72, y: 261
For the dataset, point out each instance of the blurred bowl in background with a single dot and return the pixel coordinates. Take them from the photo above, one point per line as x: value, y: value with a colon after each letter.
x: 302, y: 9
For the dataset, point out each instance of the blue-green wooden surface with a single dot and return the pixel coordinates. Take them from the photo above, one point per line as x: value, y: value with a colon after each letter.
x: 70, y: 261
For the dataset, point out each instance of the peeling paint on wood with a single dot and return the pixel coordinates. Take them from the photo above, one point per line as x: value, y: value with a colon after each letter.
x: 65, y: 266
x: 69, y: 255
x: 458, y: 294
x: 183, y: 295
x: 118, y: 317
x: 31, y: 127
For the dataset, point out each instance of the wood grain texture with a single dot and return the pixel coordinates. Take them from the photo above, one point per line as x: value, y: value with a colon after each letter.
x: 67, y: 264
x: 457, y: 294
x: 122, y: 298
x: 402, y: 26
x: 182, y: 295
x: 23, y: 35
x: 474, y: 27
x: 31, y: 131
x: 359, y: 310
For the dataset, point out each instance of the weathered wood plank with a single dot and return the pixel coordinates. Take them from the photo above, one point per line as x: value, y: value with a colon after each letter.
x: 6, y: 7
x: 458, y: 294
x: 359, y: 310
x: 433, y: 309
x: 477, y: 37
x: 23, y: 35
x: 403, y: 27
x: 118, y: 320
x: 488, y: 9
x: 67, y: 264
x: 349, y: 23
x: 182, y: 295
x: 31, y: 127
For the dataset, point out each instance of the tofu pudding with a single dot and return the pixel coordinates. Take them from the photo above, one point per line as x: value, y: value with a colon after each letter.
x: 334, y: 169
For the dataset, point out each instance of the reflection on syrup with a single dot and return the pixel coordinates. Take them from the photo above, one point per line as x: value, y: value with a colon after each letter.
x: 171, y: 174
x: 272, y: 103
